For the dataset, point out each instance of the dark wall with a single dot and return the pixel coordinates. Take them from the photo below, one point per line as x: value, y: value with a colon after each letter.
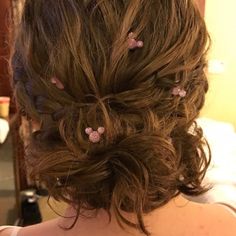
x: 5, y: 10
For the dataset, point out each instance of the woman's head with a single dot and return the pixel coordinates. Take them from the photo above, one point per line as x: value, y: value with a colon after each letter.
x: 147, y: 99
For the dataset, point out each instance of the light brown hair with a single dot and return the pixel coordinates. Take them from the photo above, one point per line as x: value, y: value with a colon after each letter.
x: 152, y: 149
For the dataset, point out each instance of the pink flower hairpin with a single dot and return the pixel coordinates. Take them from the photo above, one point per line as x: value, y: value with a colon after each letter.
x: 57, y: 83
x: 95, y: 136
x: 177, y: 91
x: 133, y: 43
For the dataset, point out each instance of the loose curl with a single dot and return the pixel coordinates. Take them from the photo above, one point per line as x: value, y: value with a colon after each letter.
x: 152, y: 149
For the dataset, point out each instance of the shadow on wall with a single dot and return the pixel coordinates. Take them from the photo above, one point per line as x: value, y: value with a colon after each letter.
x: 7, y: 186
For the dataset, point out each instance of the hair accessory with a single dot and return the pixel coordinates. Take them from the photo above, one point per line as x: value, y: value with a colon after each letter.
x: 94, y: 136
x: 177, y: 91
x: 133, y: 43
x: 57, y: 83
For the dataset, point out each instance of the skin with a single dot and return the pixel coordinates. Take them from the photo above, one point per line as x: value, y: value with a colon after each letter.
x: 179, y: 217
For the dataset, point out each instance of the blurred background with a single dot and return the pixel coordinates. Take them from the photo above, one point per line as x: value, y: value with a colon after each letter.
x: 23, y: 202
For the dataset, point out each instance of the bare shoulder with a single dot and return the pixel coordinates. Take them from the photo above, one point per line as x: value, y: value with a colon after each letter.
x: 217, y: 219
x: 9, y: 230
x: 201, y: 219
x: 5, y: 232
x: 47, y: 228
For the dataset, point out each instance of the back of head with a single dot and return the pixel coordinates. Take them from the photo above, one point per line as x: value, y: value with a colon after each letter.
x: 147, y: 154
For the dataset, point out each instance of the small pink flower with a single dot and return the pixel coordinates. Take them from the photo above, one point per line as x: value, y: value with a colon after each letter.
x: 133, y: 43
x: 177, y: 91
x: 94, y: 136
x: 182, y: 93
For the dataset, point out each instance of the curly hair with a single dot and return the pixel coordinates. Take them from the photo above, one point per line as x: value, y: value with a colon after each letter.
x: 152, y: 149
